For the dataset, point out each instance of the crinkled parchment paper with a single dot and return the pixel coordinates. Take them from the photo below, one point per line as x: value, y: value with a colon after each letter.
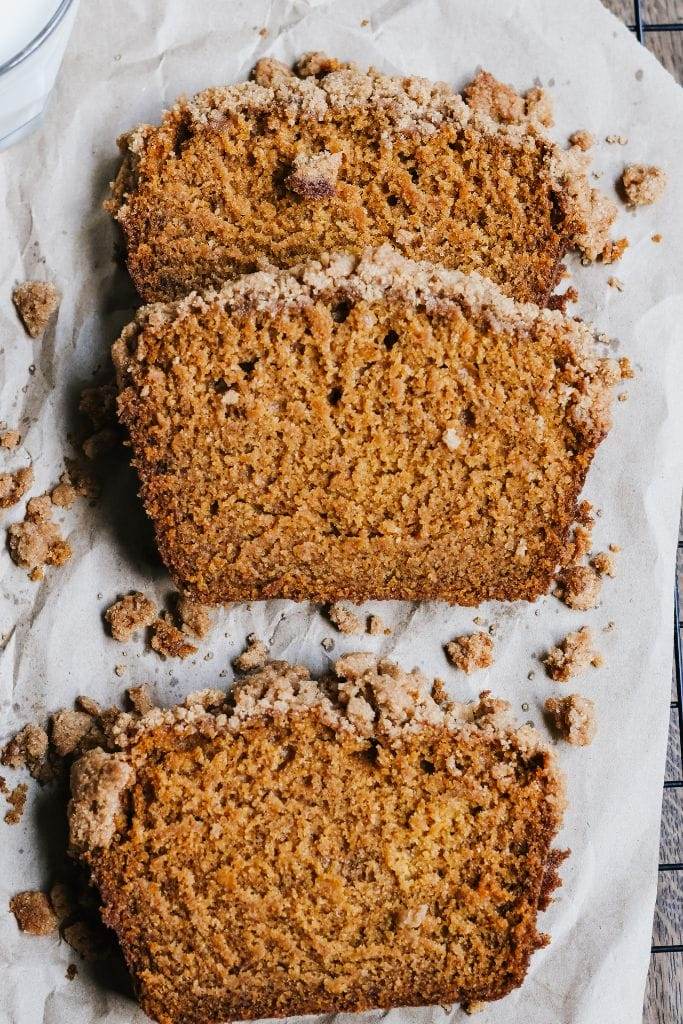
x: 125, y: 62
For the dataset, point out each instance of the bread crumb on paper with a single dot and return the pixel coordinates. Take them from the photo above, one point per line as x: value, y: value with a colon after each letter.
x: 10, y: 439
x: 582, y: 139
x: 254, y: 656
x: 28, y: 749
x: 140, y: 699
x: 344, y: 619
x: 36, y: 302
x: 13, y: 486
x: 470, y: 652
x: 130, y: 614
x: 195, y: 618
x: 616, y: 283
x: 616, y: 140
x: 37, y: 541
x: 573, y: 717
x: 33, y: 912
x: 579, y: 587
x: 573, y: 655
x: 643, y: 185
x: 376, y: 626
x: 17, y: 801
x: 604, y: 564
x: 613, y: 251
x: 170, y: 642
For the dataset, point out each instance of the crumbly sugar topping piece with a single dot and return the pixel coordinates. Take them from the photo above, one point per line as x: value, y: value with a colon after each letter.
x: 98, y: 780
x: 130, y: 614
x: 604, y: 564
x: 579, y: 586
x: 10, y: 439
x: 33, y: 912
x: 315, y: 176
x: 37, y: 540
x: 573, y: 717
x: 36, y: 302
x: 140, y: 699
x: 573, y: 655
x: 63, y: 494
x: 377, y: 626
x: 643, y: 184
x: 344, y: 618
x: 471, y: 652
x: 382, y: 124
x: 17, y: 802
x: 71, y: 731
x: 583, y: 139
x: 254, y: 656
x: 169, y: 641
x: 28, y: 749
x: 195, y: 618
x: 13, y: 486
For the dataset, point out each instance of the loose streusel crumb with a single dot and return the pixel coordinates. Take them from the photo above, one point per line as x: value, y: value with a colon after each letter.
x: 33, y: 912
x: 70, y: 730
x: 573, y: 717
x: 613, y: 251
x: 28, y: 749
x: 615, y: 282
x: 327, y: 644
x: 476, y: 1007
x: 130, y: 614
x: 254, y: 656
x: 169, y: 641
x: 406, y: 143
x: 657, y: 238
x: 615, y: 548
x: 13, y: 486
x: 315, y: 176
x: 36, y: 302
x: 579, y: 587
x: 344, y: 619
x: 311, y: 790
x: 10, y: 439
x: 120, y: 670
x: 573, y: 655
x: 376, y: 626
x: 37, y: 541
x: 616, y: 140
x: 195, y: 618
x: 625, y: 369
x: 583, y: 139
x: 17, y: 801
x: 101, y: 443
x: 604, y: 564
x: 471, y: 652
x: 90, y: 706
x: 64, y: 493
x: 140, y: 699
x: 643, y: 185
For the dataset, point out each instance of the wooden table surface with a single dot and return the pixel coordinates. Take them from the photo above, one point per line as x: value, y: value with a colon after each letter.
x: 664, y: 992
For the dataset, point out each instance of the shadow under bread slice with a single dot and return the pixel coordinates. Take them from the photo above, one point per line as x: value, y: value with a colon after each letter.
x: 373, y: 428
x: 331, y: 157
x: 306, y: 848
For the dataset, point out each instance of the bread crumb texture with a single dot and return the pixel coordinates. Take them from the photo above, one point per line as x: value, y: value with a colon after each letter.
x: 36, y: 302
x: 344, y: 618
x: 573, y: 717
x: 643, y: 185
x: 471, y: 652
x: 579, y: 587
x: 169, y: 641
x: 244, y: 855
x: 574, y: 654
x: 16, y: 799
x: 130, y: 614
x: 13, y: 486
x: 254, y: 656
x: 329, y: 157
x: 10, y: 439
x: 326, y: 476
x: 37, y: 540
x: 33, y: 912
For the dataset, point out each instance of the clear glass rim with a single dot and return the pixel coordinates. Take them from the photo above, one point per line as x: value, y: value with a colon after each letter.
x: 33, y: 45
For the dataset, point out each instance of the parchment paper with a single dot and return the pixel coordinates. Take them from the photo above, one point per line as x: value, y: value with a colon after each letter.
x: 125, y: 62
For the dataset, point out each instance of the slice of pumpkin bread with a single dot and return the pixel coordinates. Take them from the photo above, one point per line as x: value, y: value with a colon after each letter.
x: 356, y: 429
x: 329, y: 158
x: 302, y: 848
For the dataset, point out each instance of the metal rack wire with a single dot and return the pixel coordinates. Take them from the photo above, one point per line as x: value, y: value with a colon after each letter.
x: 640, y: 26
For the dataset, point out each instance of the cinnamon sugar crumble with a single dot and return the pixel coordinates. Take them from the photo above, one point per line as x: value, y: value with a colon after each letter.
x: 471, y: 652
x: 33, y: 913
x: 376, y: 626
x: 344, y: 619
x: 254, y: 656
x: 64, y: 494
x: 613, y: 251
x: 70, y: 731
x: 604, y: 564
x: 643, y: 185
x: 10, y: 439
x: 140, y: 699
x: 13, y: 486
x: 573, y: 655
x: 315, y: 177
x: 170, y: 642
x: 195, y: 618
x: 17, y: 801
x: 502, y: 103
x: 616, y: 283
x: 36, y: 302
x: 573, y: 717
x: 130, y: 614
x: 616, y: 140
x: 28, y: 749
x: 37, y: 541
x: 583, y: 139
x: 579, y: 587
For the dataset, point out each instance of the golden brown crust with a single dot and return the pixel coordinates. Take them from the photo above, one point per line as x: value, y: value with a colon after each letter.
x: 253, y: 849
x: 204, y: 197
x: 355, y: 429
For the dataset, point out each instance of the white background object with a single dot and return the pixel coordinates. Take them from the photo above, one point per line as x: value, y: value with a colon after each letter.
x: 129, y: 60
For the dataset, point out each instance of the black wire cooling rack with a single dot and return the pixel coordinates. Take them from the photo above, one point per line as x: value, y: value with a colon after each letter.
x: 641, y: 27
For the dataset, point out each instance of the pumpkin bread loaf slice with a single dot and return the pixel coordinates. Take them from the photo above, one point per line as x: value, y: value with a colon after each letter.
x: 357, y: 429
x: 291, y: 165
x: 303, y: 848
